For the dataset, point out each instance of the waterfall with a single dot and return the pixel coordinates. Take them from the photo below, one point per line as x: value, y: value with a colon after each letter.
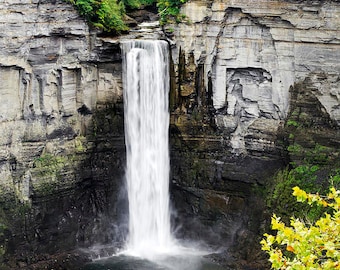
x: 146, y: 89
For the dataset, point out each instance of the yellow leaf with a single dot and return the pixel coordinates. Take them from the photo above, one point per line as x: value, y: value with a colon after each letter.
x: 300, y: 194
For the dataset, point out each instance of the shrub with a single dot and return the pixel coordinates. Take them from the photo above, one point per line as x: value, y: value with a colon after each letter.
x: 109, y: 14
x: 305, y: 245
x: 279, y: 196
x: 105, y: 14
x: 169, y: 10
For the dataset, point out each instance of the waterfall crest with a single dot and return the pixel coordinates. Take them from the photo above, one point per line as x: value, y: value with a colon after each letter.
x: 146, y: 90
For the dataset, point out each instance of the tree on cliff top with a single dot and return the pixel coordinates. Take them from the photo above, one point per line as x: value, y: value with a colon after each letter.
x: 109, y: 15
x: 106, y: 14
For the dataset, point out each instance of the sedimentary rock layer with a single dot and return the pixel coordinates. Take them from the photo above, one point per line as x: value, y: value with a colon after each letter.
x: 240, y: 70
x: 61, y: 145
x: 251, y: 53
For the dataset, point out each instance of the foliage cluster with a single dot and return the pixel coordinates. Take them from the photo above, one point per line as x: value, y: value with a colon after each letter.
x: 105, y: 14
x: 169, y: 11
x: 305, y: 245
x: 310, y: 166
x: 109, y: 15
x: 50, y: 166
x: 50, y: 161
x: 305, y: 176
x: 311, y: 241
x: 318, y: 155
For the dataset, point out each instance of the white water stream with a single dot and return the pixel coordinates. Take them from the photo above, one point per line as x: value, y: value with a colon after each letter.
x: 146, y: 90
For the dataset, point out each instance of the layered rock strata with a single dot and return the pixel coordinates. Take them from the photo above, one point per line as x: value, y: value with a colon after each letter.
x: 238, y: 68
x: 61, y: 120
x: 250, y: 54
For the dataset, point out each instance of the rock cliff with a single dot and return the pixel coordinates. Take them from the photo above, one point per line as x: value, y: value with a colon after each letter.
x: 61, y: 117
x: 250, y: 54
x: 241, y: 69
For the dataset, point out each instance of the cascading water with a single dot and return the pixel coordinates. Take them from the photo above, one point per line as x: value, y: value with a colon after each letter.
x: 146, y: 88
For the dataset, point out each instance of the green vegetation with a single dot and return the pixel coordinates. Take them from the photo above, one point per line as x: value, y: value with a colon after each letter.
x: 318, y: 155
x: 311, y: 240
x: 79, y: 144
x: 106, y: 14
x: 311, y: 165
x: 307, y: 245
x: 109, y: 15
x: 280, y: 199
x: 294, y: 148
x: 293, y: 123
x: 50, y: 170
x: 311, y: 177
x: 50, y: 165
x: 312, y: 162
x: 169, y: 11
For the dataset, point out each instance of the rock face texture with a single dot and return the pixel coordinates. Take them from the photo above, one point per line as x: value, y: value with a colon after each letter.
x: 242, y: 68
x: 251, y: 53
x: 61, y: 121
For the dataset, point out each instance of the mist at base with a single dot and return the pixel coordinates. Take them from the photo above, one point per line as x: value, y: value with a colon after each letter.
x: 184, y: 255
x: 166, y: 262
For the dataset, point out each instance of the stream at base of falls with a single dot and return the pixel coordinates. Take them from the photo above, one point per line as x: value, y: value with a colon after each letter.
x: 123, y: 262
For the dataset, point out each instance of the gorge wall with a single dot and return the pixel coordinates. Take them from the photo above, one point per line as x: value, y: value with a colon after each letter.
x: 248, y: 56
x: 240, y: 70
x: 257, y: 88
x: 62, y: 152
